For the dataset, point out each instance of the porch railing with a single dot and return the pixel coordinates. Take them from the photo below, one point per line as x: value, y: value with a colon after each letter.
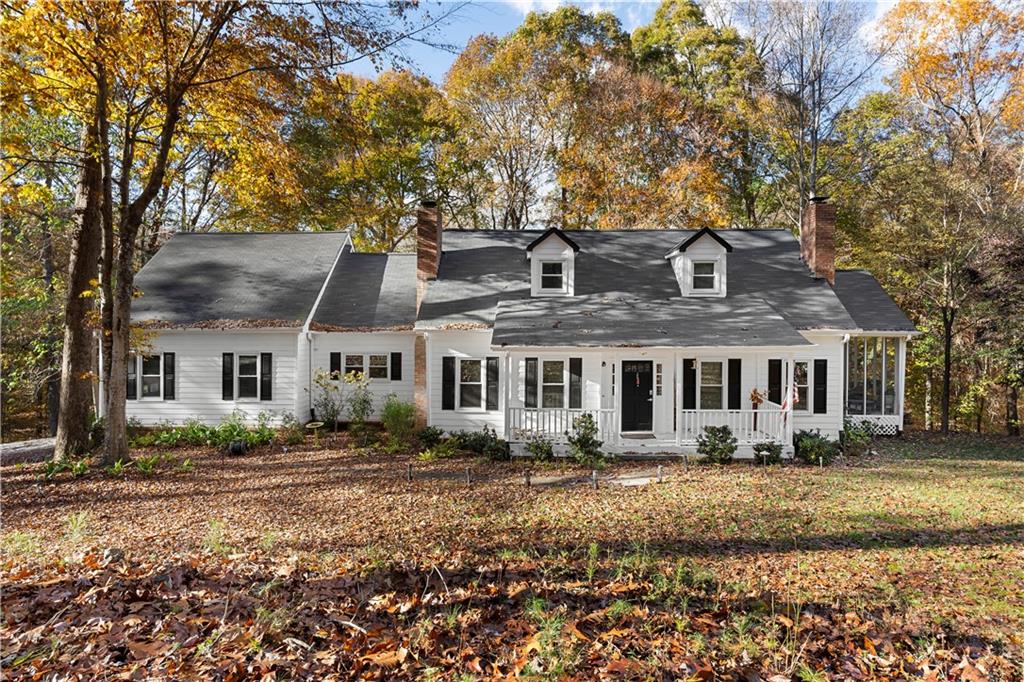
x: 768, y: 422
x: 552, y: 423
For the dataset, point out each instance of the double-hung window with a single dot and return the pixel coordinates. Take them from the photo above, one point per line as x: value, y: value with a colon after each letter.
x: 711, y: 383
x: 553, y: 383
x: 354, y: 363
x: 248, y: 376
x: 379, y: 366
x: 552, y: 276
x: 471, y: 379
x: 801, y: 381
x: 704, y: 278
x: 151, y: 376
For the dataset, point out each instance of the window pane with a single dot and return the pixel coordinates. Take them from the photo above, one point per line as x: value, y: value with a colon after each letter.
x: 553, y: 396
x: 247, y: 387
x: 551, y: 282
x: 554, y: 371
x: 469, y: 394
x: 378, y: 367
x: 711, y: 373
x: 800, y: 373
x: 353, y: 363
x: 469, y: 371
x: 711, y: 397
x: 704, y: 282
x: 801, y: 395
x: 855, y: 379
x: 703, y: 268
x: 151, y: 364
x: 873, y: 369
x: 246, y: 365
x: 150, y: 387
x: 551, y: 269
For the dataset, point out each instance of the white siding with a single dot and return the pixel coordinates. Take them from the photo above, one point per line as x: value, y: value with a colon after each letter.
x: 704, y: 249
x: 325, y: 343
x: 198, y: 366
x: 464, y: 344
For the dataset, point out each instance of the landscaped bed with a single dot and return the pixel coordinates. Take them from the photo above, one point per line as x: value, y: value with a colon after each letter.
x: 325, y: 561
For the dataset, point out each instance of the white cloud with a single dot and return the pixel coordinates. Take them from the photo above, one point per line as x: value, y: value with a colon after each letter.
x: 527, y: 6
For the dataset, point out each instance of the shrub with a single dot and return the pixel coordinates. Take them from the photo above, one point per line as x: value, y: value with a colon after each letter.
x: 814, y: 448
x: 430, y: 436
x: 473, y: 441
x: 497, y: 450
x: 768, y: 452
x: 263, y: 433
x: 231, y: 429
x: 53, y: 467
x: 716, y: 444
x: 195, y: 432
x: 446, y: 449
x: 327, y: 400
x: 856, y: 437
x: 292, y: 432
x: 540, y: 448
x: 584, y: 445
x: 399, y: 418
x: 118, y: 468
x: 358, y: 402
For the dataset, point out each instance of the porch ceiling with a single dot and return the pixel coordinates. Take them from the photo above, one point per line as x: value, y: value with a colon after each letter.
x: 618, y: 320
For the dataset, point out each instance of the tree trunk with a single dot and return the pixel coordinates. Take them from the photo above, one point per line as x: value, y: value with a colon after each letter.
x: 52, y: 329
x: 116, y: 439
x: 928, y: 400
x: 1012, y: 413
x: 948, y: 315
x: 76, y: 361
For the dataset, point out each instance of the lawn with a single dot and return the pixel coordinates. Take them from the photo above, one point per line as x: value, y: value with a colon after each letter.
x: 325, y: 562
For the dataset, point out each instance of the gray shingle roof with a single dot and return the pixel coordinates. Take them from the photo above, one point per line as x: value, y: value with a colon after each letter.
x: 369, y: 291
x: 479, y: 268
x: 248, y: 279
x: 868, y: 304
x: 600, y: 320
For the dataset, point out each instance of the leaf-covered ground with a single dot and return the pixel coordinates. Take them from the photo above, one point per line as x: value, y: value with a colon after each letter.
x: 326, y: 563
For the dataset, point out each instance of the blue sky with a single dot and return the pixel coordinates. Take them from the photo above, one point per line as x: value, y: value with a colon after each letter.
x: 503, y: 16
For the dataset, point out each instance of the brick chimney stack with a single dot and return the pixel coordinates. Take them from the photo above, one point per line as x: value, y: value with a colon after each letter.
x: 818, y: 238
x: 428, y: 246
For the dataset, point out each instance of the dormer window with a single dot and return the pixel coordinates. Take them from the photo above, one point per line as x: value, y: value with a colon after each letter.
x: 699, y: 264
x: 552, y: 264
x: 552, y: 276
x: 704, y: 277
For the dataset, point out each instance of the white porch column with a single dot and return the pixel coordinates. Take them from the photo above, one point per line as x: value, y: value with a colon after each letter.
x: 677, y: 417
x: 507, y: 393
x: 901, y: 374
x: 790, y: 383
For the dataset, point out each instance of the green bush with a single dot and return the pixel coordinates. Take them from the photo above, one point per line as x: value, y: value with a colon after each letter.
x: 540, y: 448
x: 358, y: 402
x: 446, y: 449
x: 430, y: 436
x: 399, y: 419
x: 716, y: 444
x: 856, y: 437
x: 768, y: 452
x: 292, y: 432
x: 327, y: 400
x: 584, y: 445
x: 814, y: 448
x: 497, y: 450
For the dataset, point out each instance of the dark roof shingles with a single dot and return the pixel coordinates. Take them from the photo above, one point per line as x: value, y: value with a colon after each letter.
x: 369, y: 291
x: 868, y: 304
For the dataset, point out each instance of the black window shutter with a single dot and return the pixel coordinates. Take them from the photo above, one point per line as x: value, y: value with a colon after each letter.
x: 335, y: 364
x: 575, y: 383
x: 820, y: 386
x: 531, y: 383
x: 227, y: 377
x: 448, y: 383
x: 689, y: 384
x: 492, y: 383
x: 735, y: 370
x: 131, y: 392
x: 775, y: 381
x: 266, y: 376
x: 168, y: 376
x: 396, y: 366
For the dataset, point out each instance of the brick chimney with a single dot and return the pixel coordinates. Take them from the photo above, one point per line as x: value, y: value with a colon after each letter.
x: 818, y: 238
x: 428, y: 246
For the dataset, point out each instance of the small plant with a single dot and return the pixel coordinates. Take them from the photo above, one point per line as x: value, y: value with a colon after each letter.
x: 768, y: 452
x: 444, y: 450
x: 716, y: 444
x: 147, y: 465
x: 856, y: 437
x: 188, y: 466
x: 79, y: 467
x: 540, y: 448
x: 53, y: 467
x: 430, y: 436
x: 292, y: 432
x: 359, y: 404
x: 77, y: 527
x: 119, y: 468
x: 584, y: 444
x: 593, y: 553
x: 327, y: 400
x: 619, y: 609
x: 214, y: 541
x: 263, y: 433
x: 814, y: 448
x: 399, y: 419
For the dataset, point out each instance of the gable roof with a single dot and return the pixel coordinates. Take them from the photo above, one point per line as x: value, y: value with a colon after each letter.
x: 369, y: 292
x: 704, y: 231
x: 556, y: 232
x: 238, y: 279
x: 481, y: 268
x: 868, y: 304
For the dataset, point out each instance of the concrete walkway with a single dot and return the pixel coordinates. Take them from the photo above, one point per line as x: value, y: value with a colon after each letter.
x: 37, y: 450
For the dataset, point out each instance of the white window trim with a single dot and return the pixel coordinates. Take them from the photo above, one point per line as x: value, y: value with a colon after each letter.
x: 138, y: 376
x: 565, y: 383
x: 716, y: 276
x: 805, y: 406
x: 718, y: 289
x: 723, y: 405
x: 560, y: 291
x: 259, y: 386
x: 483, y: 385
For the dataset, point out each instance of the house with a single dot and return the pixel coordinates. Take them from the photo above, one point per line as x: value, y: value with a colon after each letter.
x: 655, y: 333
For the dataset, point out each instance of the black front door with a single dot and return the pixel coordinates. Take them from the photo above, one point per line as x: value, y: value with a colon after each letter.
x: 637, y: 395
